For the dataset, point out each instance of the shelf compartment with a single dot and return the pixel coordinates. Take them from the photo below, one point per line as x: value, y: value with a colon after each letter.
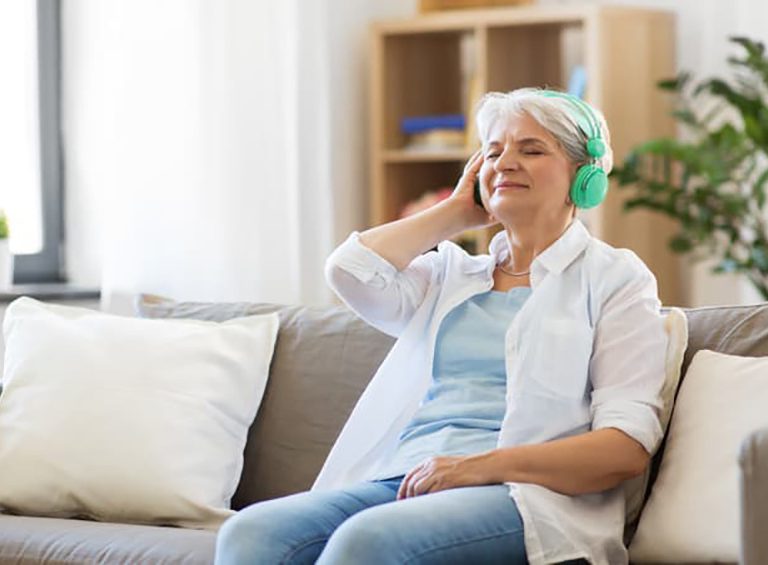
x: 540, y: 55
x: 422, y: 76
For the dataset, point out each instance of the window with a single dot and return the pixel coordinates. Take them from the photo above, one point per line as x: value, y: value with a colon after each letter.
x: 30, y: 150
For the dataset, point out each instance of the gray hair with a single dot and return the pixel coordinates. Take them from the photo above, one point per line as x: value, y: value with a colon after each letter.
x: 555, y: 114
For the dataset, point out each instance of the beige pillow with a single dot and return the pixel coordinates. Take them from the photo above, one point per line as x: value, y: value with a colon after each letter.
x: 676, y: 326
x: 124, y: 419
x: 692, y: 514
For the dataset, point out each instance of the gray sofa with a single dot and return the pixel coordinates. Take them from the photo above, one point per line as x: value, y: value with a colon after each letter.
x: 324, y: 357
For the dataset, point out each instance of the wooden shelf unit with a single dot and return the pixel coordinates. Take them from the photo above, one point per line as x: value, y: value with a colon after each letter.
x: 420, y: 66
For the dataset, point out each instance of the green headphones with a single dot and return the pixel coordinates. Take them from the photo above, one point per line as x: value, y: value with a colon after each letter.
x: 590, y: 184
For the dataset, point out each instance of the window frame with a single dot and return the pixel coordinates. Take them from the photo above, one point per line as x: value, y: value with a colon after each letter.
x: 48, y: 264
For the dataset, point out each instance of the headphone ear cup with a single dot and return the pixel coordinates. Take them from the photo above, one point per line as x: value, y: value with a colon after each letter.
x: 589, y: 187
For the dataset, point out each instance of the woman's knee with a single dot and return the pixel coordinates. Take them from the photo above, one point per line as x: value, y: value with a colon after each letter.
x: 235, y: 541
x: 291, y: 529
x: 363, y: 538
x: 255, y: 535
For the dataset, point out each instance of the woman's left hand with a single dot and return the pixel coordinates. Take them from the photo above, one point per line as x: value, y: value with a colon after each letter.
x: 441, y: 473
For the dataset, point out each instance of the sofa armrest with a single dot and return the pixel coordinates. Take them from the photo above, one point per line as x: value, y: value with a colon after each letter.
x: 753, y: 463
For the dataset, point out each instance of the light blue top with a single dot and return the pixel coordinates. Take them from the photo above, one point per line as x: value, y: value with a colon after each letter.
x: 465, y: 405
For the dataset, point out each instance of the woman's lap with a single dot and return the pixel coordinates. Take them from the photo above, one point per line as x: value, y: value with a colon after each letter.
x: 365, y: 523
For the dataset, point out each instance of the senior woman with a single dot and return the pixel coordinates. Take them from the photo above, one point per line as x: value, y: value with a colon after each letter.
x: 524, y: 384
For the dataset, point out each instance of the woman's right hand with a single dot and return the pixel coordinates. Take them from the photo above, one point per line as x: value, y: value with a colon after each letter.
x: 474, y: 216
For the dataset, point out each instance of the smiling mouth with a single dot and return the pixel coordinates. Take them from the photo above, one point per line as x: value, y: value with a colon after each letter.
x: 510, y: 186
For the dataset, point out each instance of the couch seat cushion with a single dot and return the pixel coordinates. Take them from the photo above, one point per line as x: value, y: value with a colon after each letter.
x: 55, y: 541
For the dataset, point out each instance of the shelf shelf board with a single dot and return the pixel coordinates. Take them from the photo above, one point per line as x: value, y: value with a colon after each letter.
x: 467, y: 20
x: 426, y: 156
x: 504, y: 16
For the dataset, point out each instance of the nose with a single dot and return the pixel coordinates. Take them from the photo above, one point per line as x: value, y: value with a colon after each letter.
x: 507, y: 161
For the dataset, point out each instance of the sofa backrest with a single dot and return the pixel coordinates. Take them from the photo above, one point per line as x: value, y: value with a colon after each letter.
x: 325, y: 356
x: 736, y: 330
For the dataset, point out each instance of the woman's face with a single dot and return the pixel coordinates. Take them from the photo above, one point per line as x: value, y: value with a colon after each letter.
x: 524, y: 171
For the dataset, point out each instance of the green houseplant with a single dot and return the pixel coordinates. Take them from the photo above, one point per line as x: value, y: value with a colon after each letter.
x: 714, y: 181
x: 6, y: 257
x: 3, y: 225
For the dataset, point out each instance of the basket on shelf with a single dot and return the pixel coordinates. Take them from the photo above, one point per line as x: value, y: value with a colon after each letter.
x: 437, y: 5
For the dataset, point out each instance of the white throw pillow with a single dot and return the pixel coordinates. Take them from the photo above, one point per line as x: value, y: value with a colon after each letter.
x: 692, y: 514
x: 124, y: 419
x: 676, y: 326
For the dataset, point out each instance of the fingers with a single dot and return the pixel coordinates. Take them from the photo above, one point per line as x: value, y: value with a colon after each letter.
x: 401, y: 492
x: 417, y: 483
x: 406, y: 489
x: 419, y: 480
x: 423, y: 484
x: 474, y: 162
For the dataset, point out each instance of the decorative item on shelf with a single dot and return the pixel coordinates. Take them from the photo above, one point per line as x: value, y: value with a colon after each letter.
x: 714, y: 182
x: 425, y: 201
x: 6, y: 257
x: 467, y: 240
x: 426, y: 6
x: 434, y: 133
x: 577, y: 81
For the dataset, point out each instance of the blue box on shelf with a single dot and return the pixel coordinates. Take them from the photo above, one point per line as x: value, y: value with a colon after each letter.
x: 418, y: 124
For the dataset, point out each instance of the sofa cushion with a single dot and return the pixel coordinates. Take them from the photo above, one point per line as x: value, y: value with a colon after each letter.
x: 28, y: 541
x: 735, y: 330
x: 127, y: 420
x: 323, y: 359
x: 693, y: 511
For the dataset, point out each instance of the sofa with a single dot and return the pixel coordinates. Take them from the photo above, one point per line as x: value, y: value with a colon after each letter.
x: 323, y: 359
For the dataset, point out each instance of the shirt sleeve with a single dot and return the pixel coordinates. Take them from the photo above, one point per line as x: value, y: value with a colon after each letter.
x: 374, y: 289
x: 627, y: 366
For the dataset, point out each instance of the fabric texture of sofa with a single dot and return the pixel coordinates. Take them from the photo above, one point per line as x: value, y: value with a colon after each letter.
x: 323, y: 359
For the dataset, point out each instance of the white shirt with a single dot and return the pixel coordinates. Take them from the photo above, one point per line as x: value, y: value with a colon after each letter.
x: 585, y: 352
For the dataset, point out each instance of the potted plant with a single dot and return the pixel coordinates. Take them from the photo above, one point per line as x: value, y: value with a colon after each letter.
x: 6, y: 257
x: 714, y: 180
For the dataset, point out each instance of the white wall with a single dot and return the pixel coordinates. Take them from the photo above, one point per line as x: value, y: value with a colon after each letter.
x: 217, y: 151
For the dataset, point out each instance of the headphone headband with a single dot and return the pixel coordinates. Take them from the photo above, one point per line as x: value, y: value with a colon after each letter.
x: 595, y: 143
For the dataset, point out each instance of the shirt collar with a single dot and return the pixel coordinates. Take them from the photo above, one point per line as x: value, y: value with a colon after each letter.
x: 554, y: 258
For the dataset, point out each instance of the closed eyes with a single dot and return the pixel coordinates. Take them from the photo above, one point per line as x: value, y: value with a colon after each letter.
x: 491, y: 156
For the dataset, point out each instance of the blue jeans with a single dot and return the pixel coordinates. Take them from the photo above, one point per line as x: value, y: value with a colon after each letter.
x: 364, y: 524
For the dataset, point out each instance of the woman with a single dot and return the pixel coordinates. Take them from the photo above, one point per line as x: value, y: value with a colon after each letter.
x: 523, y: 388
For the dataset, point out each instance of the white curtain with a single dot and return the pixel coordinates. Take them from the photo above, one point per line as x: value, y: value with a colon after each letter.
x: 215, y: 150
x: 20, y: 191
x: 188, y: 156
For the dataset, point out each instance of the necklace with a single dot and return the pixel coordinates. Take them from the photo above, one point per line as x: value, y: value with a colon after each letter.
x: 511, y: 274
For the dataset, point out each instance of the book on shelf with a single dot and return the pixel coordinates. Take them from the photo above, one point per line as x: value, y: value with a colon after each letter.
x: 419, y: 124
x: 434, y: 133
